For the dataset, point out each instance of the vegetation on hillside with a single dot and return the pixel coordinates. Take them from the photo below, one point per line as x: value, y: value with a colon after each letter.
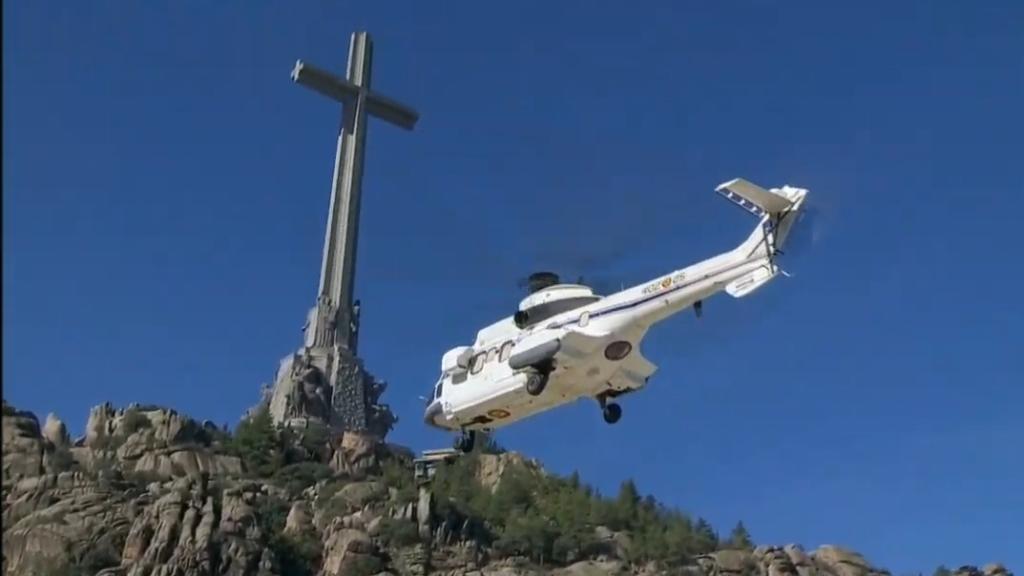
x: 554, y: 519
x: 545, y: 517
x: 520, y: 512
x: 295, y: 459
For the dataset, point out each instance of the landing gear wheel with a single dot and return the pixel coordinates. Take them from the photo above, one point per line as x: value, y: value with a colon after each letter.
x: 535, y: 383
x: 611, y: 412
x: 465, y: 442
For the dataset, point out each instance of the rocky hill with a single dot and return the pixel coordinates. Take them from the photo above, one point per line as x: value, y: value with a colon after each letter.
x: 149, y: 491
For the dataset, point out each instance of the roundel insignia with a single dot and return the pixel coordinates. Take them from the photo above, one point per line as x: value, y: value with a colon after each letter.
x: 498, y: 413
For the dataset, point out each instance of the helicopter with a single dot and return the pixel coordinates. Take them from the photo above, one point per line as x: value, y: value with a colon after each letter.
x: 565, y: 343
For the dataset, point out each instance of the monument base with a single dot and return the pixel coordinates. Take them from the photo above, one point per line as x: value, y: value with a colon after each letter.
x: 347, y: 399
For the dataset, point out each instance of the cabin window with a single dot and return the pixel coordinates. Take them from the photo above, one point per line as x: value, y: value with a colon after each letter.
x: 478, y: 362
x: 506, y: 351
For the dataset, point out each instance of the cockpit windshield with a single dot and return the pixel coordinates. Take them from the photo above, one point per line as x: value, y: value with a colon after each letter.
x: 437, y: 390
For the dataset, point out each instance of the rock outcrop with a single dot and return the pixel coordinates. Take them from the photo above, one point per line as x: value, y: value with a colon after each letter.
x: 148, y: 491
x: 55, y: 432
x: 493, y: 467
x: 789, y: 560
x: 23, y: 445
x: 357, y: 455
x: 347, y: 550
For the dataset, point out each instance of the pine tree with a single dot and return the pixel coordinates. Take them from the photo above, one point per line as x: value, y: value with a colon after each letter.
x: 679, y: 538
x: 705, y: 539
x: 256, y: 443
x: 627, y: 502
x: 739, y: 539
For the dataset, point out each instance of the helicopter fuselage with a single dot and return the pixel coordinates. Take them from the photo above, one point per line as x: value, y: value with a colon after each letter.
x: 566, y: 343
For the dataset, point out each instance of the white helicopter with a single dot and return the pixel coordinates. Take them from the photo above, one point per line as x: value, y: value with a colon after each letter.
x: 565, y: 342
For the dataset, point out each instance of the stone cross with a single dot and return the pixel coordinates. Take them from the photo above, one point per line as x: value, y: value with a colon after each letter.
x: 332, y: 321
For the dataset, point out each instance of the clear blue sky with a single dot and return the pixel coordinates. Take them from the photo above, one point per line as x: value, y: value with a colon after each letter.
x: 165, y: 189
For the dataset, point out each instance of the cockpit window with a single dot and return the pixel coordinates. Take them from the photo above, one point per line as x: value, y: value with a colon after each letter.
x: 436, y: 392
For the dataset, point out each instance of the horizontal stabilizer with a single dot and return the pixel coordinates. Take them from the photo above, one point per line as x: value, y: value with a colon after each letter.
x: 755, y: 199
x: 751, y: 281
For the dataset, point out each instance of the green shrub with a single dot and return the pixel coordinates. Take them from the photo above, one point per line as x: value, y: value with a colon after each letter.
x: 363, y: 565
x: 330, y: 488
x: 298, y: 555
x: 271, y: 514
x: 331, y: 506
x: 456, y: 488
x: 297, y: 477
x: 335, y: 508
x: 398, y: 533
x: 400, y: 477
x: 313, y: 441
x: 527, y: 533
x: 257, y: 444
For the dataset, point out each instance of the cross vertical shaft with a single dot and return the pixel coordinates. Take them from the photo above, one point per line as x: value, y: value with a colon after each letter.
x: 337, y: 272
x: 332, y: 322
x: 326, y: 381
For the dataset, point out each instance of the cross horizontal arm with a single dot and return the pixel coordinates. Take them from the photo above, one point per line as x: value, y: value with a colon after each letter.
x: 388, y: 110
x: 346, y: 92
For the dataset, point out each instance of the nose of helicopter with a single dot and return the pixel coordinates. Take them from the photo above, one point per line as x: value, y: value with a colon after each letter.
x: 434, y: 415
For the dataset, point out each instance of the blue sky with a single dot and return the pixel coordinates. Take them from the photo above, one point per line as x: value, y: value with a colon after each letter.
x: 165, y: 188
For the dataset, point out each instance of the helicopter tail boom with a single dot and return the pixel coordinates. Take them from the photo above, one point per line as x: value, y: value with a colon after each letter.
x: 751, y: 281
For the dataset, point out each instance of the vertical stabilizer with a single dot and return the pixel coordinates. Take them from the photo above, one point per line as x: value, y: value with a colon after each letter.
x: 777, y: 210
